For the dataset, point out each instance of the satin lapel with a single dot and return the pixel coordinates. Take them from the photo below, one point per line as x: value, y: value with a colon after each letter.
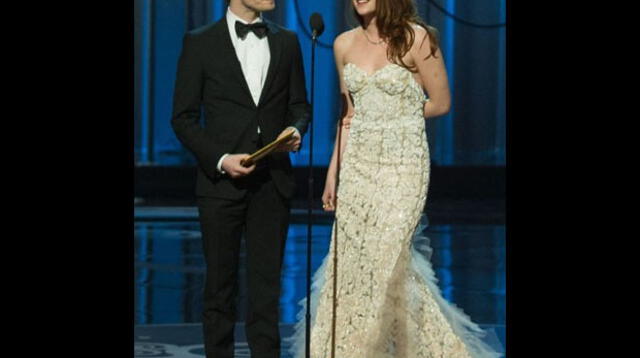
x: 229, y: 55
x: 275, y: 49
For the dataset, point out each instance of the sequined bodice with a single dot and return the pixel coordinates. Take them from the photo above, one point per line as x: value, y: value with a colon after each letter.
x: 391, y: 79
x: 388, y: 118
x: 387, y: 304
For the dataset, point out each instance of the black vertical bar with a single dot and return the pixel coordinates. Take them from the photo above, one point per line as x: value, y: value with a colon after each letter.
x: 150, y: 124
x: 310, y: 209
x: 137, y: 113
x: 188, y: 24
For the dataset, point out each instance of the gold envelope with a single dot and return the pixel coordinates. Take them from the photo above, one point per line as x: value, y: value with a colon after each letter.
x: 266, y: 150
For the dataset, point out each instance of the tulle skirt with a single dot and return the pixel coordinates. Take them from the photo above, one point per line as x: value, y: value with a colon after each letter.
x: 415, y: 321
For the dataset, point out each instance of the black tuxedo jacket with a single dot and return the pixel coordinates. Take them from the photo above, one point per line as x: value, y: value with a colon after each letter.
x: 210, y: 79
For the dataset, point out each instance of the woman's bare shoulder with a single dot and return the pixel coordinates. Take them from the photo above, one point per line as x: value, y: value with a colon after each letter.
x: 419, y: 31
x: 343, y: 40
x: 422, y: 40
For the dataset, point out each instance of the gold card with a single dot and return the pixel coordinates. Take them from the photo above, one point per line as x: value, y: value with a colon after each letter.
x: 266, y: 150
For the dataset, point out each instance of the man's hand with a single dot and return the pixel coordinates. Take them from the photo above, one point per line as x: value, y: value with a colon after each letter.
x: 231, y: 165
x: 292, y: 145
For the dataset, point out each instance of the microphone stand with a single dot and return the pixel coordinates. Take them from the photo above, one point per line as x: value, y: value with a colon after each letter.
x: 335, y: 236
x: 314, y: 40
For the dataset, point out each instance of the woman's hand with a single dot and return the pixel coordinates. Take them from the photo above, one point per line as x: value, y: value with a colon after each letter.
x: 346, y: 121
x: 329, y: 194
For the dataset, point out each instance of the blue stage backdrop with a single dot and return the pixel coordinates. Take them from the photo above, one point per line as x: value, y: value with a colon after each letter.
x: 473, y: 44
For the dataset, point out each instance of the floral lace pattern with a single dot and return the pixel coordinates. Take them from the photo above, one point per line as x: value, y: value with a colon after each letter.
x: 385, y: 306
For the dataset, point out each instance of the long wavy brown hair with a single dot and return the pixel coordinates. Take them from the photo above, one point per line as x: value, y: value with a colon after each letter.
x: 394, y: 19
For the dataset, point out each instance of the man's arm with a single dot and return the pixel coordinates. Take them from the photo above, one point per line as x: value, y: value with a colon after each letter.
x: 299, y: 111
x: 187, y: 99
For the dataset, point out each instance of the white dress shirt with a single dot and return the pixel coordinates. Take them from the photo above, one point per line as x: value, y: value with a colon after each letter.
x: 254, y: 57
x: 253, y: 54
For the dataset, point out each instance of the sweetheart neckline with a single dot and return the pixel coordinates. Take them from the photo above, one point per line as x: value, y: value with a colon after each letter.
x: 374, y: 72
x: 382, y: 68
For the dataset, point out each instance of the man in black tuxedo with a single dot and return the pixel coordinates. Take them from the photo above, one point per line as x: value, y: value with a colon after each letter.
x: 246, y: 74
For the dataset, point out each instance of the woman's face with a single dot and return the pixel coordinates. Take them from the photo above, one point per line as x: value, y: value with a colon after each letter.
x: 364, y: 7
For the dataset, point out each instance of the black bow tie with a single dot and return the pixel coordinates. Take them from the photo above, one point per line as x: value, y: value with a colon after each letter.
x: 258, y: 28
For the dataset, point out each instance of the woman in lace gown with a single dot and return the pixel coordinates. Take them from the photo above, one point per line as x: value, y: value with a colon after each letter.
x: 387, y: 302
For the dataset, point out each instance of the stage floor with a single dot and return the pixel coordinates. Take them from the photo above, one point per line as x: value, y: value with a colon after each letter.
x: 185, y: 340
x: 469, y: 261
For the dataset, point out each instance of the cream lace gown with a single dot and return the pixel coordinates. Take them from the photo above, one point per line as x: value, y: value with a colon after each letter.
x: 388, y: 303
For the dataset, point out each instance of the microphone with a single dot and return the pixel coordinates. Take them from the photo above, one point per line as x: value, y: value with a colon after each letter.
x: 317, y: 24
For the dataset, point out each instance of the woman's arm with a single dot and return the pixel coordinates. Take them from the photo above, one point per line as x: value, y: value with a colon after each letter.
x: 329, y: 197
x: 347, y: 112
x: 433, y: 74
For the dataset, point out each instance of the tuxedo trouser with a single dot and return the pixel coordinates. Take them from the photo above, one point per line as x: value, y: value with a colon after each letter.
x: 262, y: 215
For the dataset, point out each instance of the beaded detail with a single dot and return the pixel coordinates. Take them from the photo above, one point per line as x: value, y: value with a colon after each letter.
x: 388, y: 304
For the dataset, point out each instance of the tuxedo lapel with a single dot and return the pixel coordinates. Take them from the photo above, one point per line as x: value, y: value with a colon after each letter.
x: 230, y: 57
x: 275, y: 48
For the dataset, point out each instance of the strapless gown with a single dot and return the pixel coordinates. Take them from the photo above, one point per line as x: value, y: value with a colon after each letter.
x: 388, y: 303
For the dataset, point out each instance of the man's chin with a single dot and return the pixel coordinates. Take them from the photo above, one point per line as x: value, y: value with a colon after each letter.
x: 261, y: 5
x: 266, y: 8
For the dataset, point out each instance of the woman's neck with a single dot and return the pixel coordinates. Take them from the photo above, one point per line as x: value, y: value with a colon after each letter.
x: 370, y: 27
